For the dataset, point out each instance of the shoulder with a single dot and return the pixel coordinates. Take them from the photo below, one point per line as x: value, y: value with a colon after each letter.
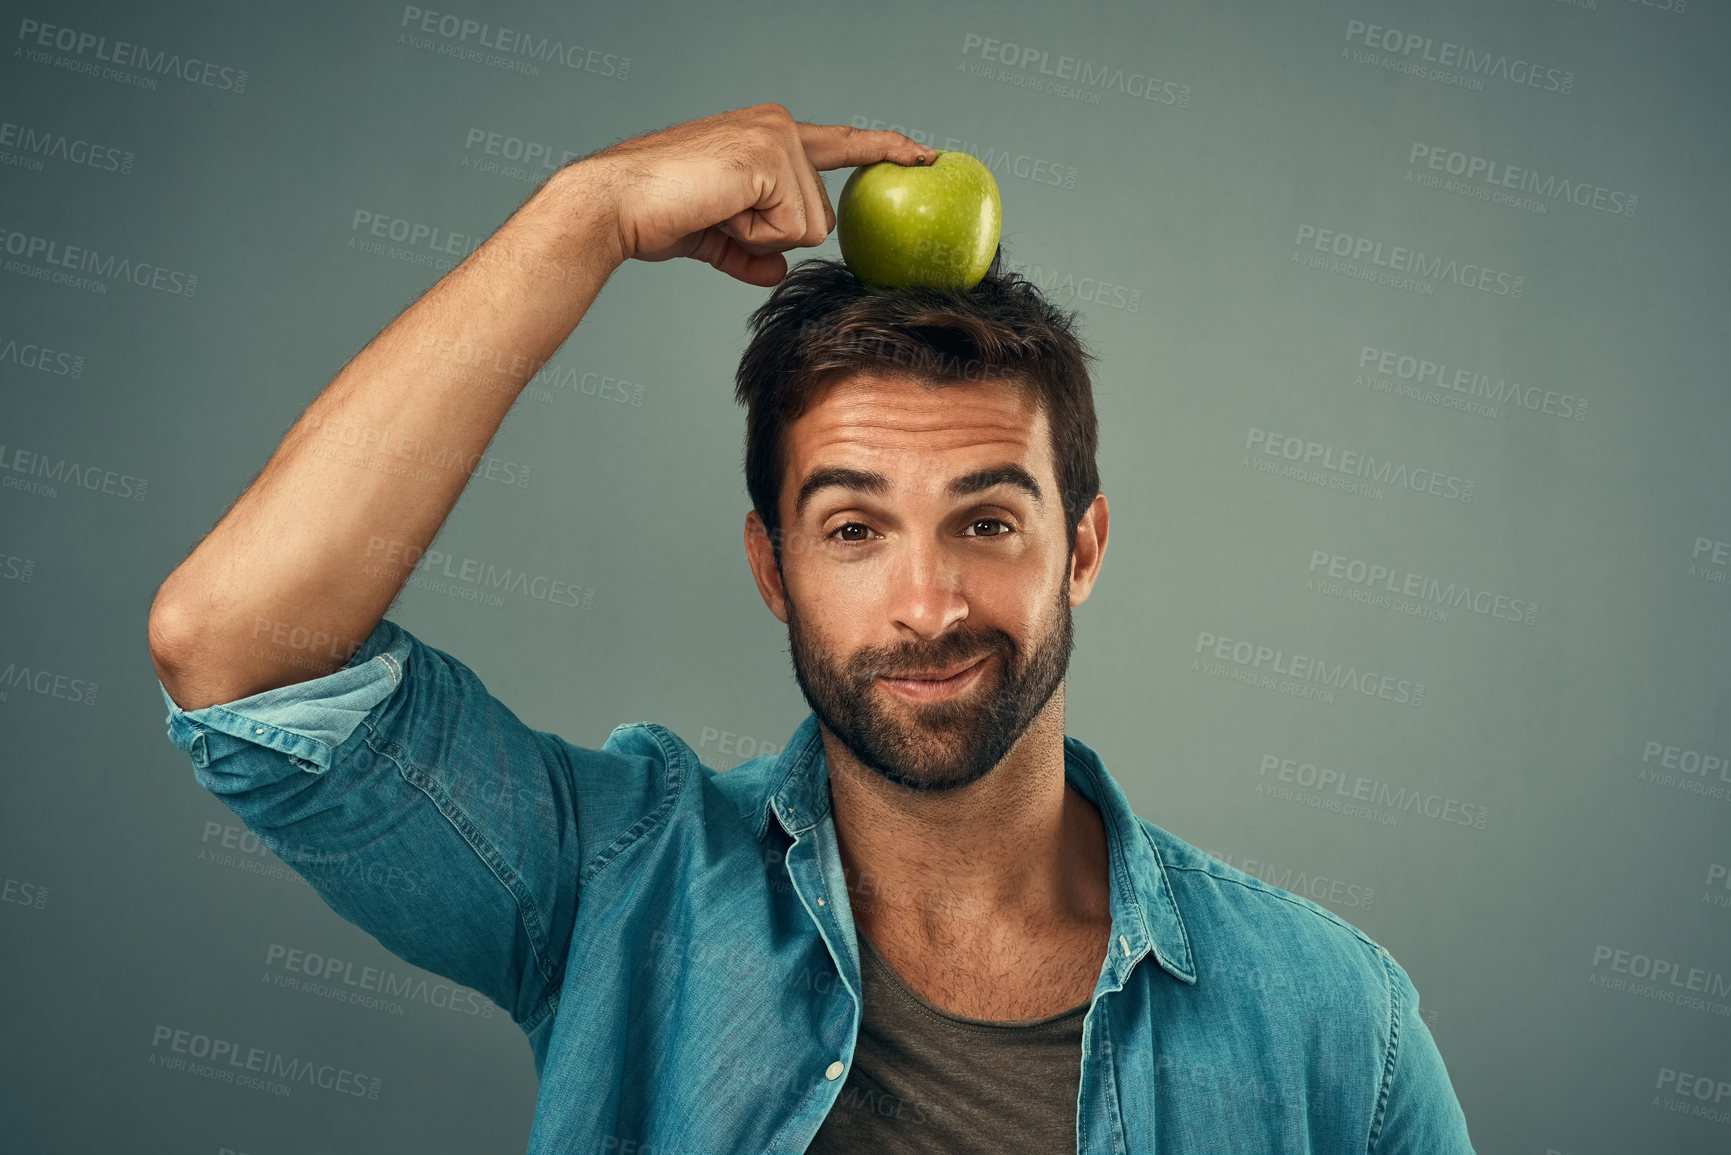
x: 1238, y: 920
x: 743, y: 789
x: 1279, y: 975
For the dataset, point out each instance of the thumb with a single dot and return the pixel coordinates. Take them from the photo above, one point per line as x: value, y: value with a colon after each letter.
x: 728, y: 255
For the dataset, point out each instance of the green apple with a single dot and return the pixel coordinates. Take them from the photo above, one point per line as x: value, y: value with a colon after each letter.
x: 935, y: 224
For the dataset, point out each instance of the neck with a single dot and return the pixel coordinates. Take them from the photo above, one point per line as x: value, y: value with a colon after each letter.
x: 1015, y: 854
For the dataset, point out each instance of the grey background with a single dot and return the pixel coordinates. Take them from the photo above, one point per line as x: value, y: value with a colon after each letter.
x: 124, y: 909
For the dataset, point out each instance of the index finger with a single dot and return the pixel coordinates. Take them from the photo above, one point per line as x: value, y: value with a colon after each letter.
x: 843, y: 146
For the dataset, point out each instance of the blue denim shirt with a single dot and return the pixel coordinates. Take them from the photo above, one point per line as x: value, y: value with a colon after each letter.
x: 678, y: 945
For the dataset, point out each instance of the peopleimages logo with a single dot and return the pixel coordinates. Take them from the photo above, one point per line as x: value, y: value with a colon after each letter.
x: 231, y: 1062
x: 27, y: 894
x: 1497, y: 176
x: 1718, y: 892
x: 1661, y: 979
x: 1430, y: 595
x: 56, y: 471
x: 538, y: 156
x: 1415, y: 51
x: 1252, y: 661
x: 555, y: 378
x: 1316, y: 887
x: 1711, y: 561
x: 743, y: 747
x: 35, y: 145
x: 1336, y: 790
x: 464, y: 38
x: 99, y: 50
x: 1072, y: 76
x: 437, y: 243
x: 16, y: 569
x: 1398, y: 263
x: 1702, y: 1096
x: 1717, y: 552
x: 340, y: 980
x: 1092, y: 290
x: 435, y: 459
x: 41, y: 358
x: 47, y: 683
x: 436, y: 563
x: 1424, y: 374
x: 103, y: 268
x: 1693, y: 771
x: 1362, y: 470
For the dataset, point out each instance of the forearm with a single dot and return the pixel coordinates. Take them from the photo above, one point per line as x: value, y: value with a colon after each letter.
x: 308, y: 559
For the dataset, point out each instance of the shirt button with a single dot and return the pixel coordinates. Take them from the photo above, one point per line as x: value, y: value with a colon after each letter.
x: 260, y: 730
x: 1124, y: 943
x: 834, y: 1072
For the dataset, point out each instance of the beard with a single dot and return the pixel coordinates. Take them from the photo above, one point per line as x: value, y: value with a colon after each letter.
x: 933, y: 746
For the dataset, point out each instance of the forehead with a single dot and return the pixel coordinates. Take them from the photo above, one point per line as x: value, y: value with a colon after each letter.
x: 916, y: 435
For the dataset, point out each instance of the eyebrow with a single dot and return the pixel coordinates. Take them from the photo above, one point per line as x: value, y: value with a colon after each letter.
x: 876, y: 484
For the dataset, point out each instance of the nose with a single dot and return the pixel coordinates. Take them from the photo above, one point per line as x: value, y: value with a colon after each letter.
x: 925, y: 591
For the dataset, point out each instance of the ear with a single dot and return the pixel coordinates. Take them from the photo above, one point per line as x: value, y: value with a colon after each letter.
x: 761, y: 555
x: 1090, y: 550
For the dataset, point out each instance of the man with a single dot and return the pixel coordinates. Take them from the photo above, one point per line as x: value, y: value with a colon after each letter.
x: 932, y: 923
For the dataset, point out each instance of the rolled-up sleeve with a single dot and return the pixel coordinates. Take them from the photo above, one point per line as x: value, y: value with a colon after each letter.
x: 1417, y: 1111
x: 306, y: 721
x: 422, y: 810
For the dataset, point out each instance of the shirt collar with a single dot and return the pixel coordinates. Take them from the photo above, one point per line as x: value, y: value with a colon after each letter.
x: 1145, y: 918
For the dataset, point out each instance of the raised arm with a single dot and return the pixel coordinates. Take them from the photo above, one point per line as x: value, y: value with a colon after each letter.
x: 301, y: 568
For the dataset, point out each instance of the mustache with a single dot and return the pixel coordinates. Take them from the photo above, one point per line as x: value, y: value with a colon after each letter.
x: 954, y: 651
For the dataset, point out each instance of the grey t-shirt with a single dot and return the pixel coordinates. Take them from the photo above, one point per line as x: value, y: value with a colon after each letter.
x: 926, y: 1081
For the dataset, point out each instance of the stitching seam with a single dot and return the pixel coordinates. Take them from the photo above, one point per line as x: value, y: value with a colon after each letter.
x: 1271, y: 892
x: 1388, y: 1060
x: 527, y: 912
x: 673, y: 784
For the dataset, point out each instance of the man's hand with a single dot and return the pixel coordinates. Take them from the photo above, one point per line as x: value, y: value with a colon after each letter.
x: 735, y: 190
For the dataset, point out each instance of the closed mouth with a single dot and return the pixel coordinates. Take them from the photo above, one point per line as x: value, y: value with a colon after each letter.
x: 935, y: 676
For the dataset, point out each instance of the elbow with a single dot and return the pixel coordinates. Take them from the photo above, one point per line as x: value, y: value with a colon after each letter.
x: 169, y: 632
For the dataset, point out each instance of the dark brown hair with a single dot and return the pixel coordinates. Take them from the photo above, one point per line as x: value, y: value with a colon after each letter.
x: 822, y: 322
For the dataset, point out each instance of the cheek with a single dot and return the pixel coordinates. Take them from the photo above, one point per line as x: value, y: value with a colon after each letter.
x: 830, y: 618
x: 842, y: 595
x: 1020, y: 606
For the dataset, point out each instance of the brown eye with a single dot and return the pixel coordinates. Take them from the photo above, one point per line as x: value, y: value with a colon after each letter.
x: 979, y: 521
x: 848, y: 526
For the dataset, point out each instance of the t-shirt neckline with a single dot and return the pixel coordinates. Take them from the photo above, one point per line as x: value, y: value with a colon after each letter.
x: 919, y: 1001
